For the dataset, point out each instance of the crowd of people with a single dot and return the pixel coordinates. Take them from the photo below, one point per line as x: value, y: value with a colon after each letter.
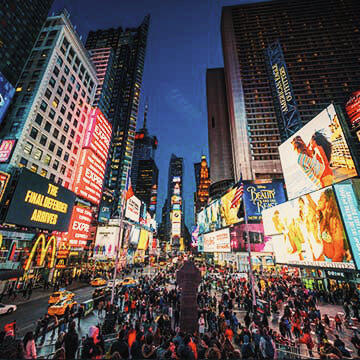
x: 144, y: 322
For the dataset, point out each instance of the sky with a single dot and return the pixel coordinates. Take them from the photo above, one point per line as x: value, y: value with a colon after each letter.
x: 183, y: 41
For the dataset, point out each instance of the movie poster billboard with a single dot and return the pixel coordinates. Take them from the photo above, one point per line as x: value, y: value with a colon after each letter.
x: 348, y: 196
x: 259, y: 196
x: 217, y: 241
x: 230, y: 210
x: 316, y: 156
x: 309, y: 231
x: 209, y: 219
x: 259, y: 242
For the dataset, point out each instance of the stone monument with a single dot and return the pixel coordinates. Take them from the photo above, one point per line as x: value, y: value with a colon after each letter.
x: 188, y: 279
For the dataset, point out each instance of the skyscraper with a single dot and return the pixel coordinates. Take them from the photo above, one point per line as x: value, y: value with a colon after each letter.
x: 144, y: 149
x: 52, y: 103
x: 221, y: 162
x: 21, y: 22
x: 129, y: 47
x: 321, y: 47
x: 202, y: 177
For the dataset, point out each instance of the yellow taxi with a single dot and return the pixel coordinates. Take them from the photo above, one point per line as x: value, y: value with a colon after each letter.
x: 162, y: 263
x: 60, y: 307
x: 98, y: 282
x: 60, y: 295
x: 128, y: 282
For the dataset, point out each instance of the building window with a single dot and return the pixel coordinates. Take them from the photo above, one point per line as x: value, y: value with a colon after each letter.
x: 72, y: 79
x: 59, y: 61
x: 59, y: 182
x: 37, y: 154
x: 69, y: 145
x: 52, y: 82
x: 66, y: 99
x: 75, y: 123
x: 60, y: 90
x: 66, y: 156
x: 47, y: 159
x: 63, y: 109
x: 55, y: 133
x: 59, y: 152
x: 63, y: 139
x: 43, y: 139
x: 35, y: 74
x: 62, y: 169
x: 28, y: 148
x: 52, y: 146
x: 59, y: 121
x: 55, y: 102
x: 43, y: 106
x: 66, y: 127
x: 72, y: 106
x: 48, y: 94
x: 69, y: 116
x: 23, y: 162
x: 52, y: 114
x: 43, y: 172
x: 69, y: 88
x: 75, y: 150
x: 76, y: 95
x: 56, y: 71
x: 34, y: 133
x: 52, y: 177
x: 34, y: 168
x: 20, y: 112
x: 69, y: 173
x: 47, y: 126
x: 78, y: 139
x: 55, y: 164
x: 66, y: 70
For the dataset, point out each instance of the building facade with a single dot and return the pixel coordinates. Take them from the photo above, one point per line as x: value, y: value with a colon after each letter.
x: 21, y: 22
x: 51, y: 105
x: 129, y: 47
x: 202, y: 178
x: 322, y: 54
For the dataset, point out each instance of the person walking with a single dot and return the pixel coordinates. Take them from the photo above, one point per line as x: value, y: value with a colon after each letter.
x: 71, y: 342
x: 29, y: 346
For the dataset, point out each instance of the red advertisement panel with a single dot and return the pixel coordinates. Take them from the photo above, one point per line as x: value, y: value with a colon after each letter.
x: 79, y: 228
x: 353, y: 109
x: 89, y: 176
x: 6, y: 148
x: 98, y: 134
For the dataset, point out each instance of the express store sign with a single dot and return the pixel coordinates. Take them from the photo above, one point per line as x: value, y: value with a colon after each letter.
x: 79, y: 228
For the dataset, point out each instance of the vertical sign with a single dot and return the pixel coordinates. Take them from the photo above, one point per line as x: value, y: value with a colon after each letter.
x: 6, y: 148
x: 287, y: 108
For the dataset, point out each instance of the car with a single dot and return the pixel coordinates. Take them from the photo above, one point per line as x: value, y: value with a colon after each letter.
x: 60, y: 295
x: 60, y: 307
x: 128, y: 282
x: 98, y: 282
x: 7, y: 309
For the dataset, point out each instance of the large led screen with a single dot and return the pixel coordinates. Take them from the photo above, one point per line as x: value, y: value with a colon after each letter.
x: 309, y: 231
x: 231, y: 206
x: 316, y: 156
x: 6, y: 94
x: 37, y: 202
x: 209, y: 219
x: 348, y: 196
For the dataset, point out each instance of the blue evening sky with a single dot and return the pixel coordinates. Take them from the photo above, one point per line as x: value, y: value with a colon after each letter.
x: 184, y: 40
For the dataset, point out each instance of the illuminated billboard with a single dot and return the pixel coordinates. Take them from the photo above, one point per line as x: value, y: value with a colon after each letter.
x: 230, y: 210
x: 309, y: 231
x: 37, y: 202
x: 353, y: 109
x: 6, y: 94
x: 133, y: 206
x: 79, y: 227
x: 217, y: 241
x: 316, y: 156
x: 4, y: 179
x: 134, y: 235
x: 89, y: 177
x: 259, y: 196
x: 144, y: 240
x: 106, y: 241
x: 281, y: 86
x: 209, y: 219
x: 98, y: 134
x: 348, y: 196
x: 6, y: 148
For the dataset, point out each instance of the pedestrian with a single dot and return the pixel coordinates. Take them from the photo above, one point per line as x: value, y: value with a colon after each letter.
x: 71, y: 341
x: 80, y: 314
x: 338, y: 323
x: 201, y: 324
x: 55, y: 325
x: 29, y: 346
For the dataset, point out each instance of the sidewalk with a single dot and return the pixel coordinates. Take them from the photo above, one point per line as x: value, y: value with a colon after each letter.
x: 40, y: 293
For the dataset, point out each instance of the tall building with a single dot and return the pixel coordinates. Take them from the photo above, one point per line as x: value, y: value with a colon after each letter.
x: 144, y: 149
x: 129, y: 47
x: 51, y: 105
x: 103, y: 59
x: 221, y: 161
x: 20, y: 22
x: 202, y: 177
x: 321, y: 46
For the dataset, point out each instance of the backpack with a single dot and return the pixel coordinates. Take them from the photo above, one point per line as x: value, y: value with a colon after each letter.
x: 269, y: 348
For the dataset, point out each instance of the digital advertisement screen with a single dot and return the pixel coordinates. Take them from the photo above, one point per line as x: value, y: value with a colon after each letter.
x: 230, y: 206
x: 144, y: 240
x: 4, y: 179
x: 348, y: 196
x: 261, y: 196
x: 6, y: 148
x: 133, y: 207
x: 37, y: 202
x: 106, y: 241
x: 258, y: 241
x: 217, y: 241
x: 309, y: 231
x: 353, y: 109
x: 79, y: 228
x: 98, y: 134
x: 7, y: 92
x: 316, y: 156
